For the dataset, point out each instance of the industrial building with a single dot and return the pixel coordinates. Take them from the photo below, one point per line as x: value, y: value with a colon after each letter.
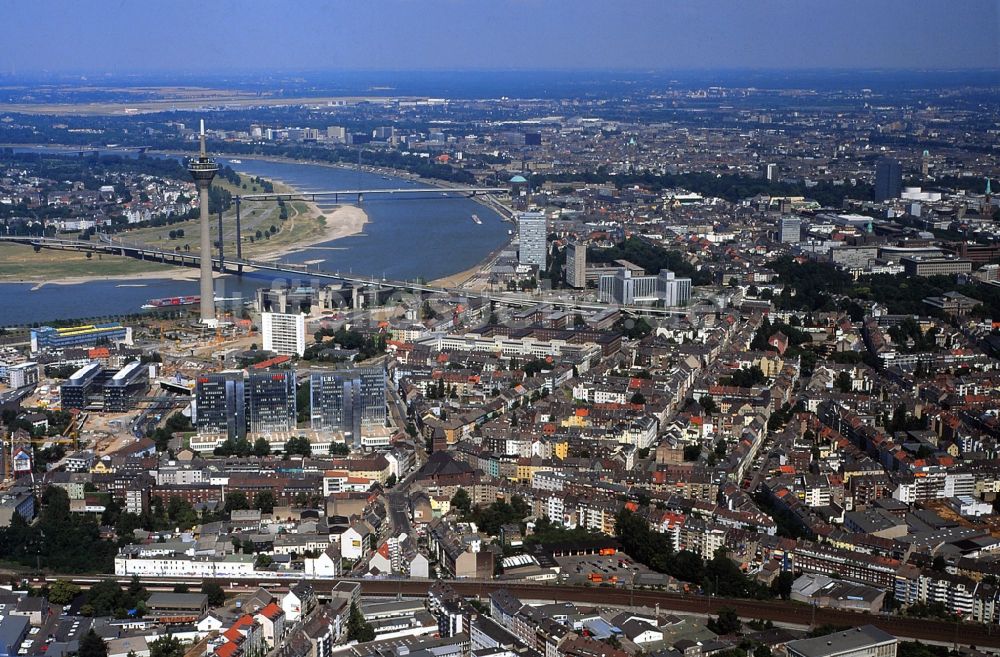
x: 865, y: 641
x: 46, y: 338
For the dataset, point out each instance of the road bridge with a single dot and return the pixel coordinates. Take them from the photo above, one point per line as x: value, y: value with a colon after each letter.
x: 336, y: 195
x: 230, y: 265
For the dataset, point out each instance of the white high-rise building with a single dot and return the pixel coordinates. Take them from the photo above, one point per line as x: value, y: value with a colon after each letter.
x: 576, y: 265
x: 531, y: 239
x: 789, y: 229
x: 284, y: 333
x: 673, y: 291
x: 624, y: 288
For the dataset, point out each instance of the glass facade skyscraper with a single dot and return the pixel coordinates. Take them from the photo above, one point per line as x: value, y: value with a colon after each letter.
x: 347, y: 401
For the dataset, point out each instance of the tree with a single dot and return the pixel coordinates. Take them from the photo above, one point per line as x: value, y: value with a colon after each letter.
x: 462, y: 501
x: 92, y: 645
x: 726, y: 623
x: 843, y: 382
x: 264, y: 500
x: 692, y: 452
x: 638, y: 399
x: 298, y: 445
x: 236, y: 501
x: 104, y: 597
x: 216, y: 596
x: 166, y: 646
x: 782, y: 585
x: 357, y: 628
x: 62, y: 592
x: 261, y: 447
x: 263, y: 561
x: 391, y: 481
x: 181, y: 588
x: 339, y: 449
x: 708, y: 404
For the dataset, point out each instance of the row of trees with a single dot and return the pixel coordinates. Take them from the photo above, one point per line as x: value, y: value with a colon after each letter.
x: 733, y: 188
x: 718, y: 575
x: 62, y: 541
x: 821, y: 286
x: 297, y: 445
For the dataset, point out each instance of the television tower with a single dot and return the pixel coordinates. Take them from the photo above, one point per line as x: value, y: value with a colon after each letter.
x: 203, y: 170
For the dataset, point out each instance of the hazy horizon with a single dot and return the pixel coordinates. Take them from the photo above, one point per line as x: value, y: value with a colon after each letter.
x: 86, y: 37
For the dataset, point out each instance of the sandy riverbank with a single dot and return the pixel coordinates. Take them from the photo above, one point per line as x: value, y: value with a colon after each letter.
x: 343, y: 221
x: 172, y: 273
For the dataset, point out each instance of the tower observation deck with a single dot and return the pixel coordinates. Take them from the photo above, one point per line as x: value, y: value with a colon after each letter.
x: 203, y: 171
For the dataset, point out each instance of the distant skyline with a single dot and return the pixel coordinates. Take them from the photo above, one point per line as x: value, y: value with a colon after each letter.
x: 225, y: 36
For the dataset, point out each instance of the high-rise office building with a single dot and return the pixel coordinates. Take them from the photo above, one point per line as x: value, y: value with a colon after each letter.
x: 123, y: 390
x: 348, y: 401
x: 576, y: 264
x: 220, y: 404
x: 789, y: 229
x: 671, y: 290
x: 625, y: 289
x: 888, y: 179
x: 531, y: 239
x: 76, y: 390
x: 271, y: 401
x: 771, y: 172
x: 284, y: 333
x: 22, y: 375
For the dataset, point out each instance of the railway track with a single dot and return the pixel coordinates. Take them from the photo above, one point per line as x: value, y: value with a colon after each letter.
x: 774, y: 610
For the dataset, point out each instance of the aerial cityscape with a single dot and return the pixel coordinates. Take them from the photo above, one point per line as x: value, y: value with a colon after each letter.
x: 515, y: 329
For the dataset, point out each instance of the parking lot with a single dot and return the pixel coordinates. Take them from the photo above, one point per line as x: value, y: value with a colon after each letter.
x: 596, y: 569
x: 55, y: 634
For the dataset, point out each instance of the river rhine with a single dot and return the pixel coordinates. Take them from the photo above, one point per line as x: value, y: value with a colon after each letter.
x: 405, y: 238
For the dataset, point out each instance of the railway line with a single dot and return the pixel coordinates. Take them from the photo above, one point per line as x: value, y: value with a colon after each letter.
x: 924, y: 629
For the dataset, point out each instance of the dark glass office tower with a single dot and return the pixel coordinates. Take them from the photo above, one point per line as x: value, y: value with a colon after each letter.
x: 220, y: 404
x: 271, y: 401
x: 347, y: 401
x: 888, y: 179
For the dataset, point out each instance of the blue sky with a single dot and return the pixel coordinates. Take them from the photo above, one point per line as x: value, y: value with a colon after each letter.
x: 252, y: 35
